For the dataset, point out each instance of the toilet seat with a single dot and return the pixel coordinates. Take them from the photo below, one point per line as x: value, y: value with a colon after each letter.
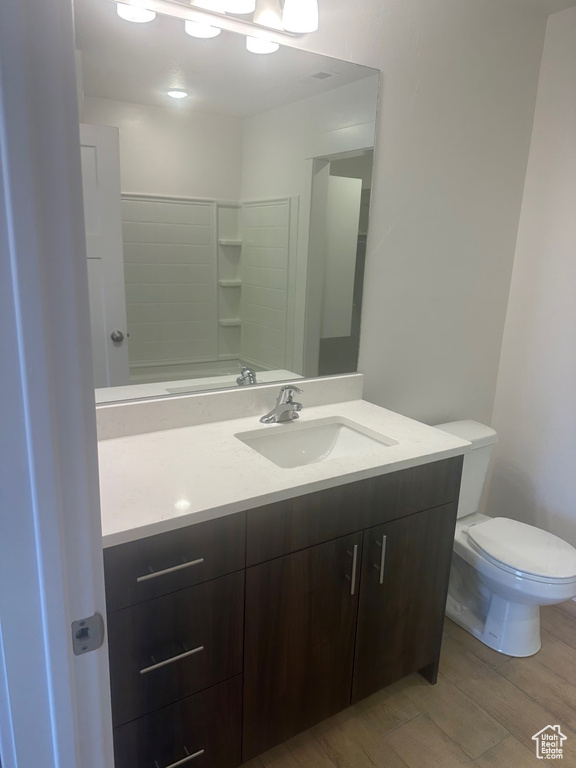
x: 524, y: 550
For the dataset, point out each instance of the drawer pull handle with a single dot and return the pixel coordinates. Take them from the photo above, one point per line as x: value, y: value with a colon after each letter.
x: 184, y: 760
x: 171, y: 661
x: 352, y: 577
x: 382, y: 558
x: 174, y: 568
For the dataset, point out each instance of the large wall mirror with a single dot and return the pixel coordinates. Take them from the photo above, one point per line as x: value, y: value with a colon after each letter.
x: 226, y: 230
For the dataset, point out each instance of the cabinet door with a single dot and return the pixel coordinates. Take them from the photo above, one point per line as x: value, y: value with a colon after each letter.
x: 405, y: 571
x: 299, y: 640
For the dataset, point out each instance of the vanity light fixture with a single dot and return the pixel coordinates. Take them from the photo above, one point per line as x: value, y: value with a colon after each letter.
x: 300, y: 16
x: 279, y: 17
x: 198, y: 29
x: 177, y: 93
x: 260, y: 45
x: 239, y: 6
x: 134, y: 13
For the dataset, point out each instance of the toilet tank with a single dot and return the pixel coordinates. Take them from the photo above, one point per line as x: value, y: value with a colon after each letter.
x: 476, y: 461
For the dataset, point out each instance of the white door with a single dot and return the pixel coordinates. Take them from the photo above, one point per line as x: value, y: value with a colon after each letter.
x: 342, y: 220
x: 54, y: 705
x: 103, y: 220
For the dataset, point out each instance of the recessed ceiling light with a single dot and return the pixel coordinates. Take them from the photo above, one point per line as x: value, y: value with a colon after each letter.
x: 260, y: 45
x: 176, y: 93
x: 135, y: 13
x: 198, y: 29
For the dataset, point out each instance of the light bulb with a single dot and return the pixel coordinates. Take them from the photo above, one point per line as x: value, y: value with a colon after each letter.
x: 176, y: 93
x: 260, y: 45
x: 211, y: 5
x: 134, y: 13
x: 198, y: 29
x: 240, y: 6
x: 300, y: 16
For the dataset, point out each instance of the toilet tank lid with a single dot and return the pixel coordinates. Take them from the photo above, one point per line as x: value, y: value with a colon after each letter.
x: 478, y: 434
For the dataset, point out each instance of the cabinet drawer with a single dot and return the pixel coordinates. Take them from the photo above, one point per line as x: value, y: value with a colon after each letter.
x: 202, y: 731
x: 147, y: 568
x: 425, y: 487
x: 287, y: 526
x: 172, y: 646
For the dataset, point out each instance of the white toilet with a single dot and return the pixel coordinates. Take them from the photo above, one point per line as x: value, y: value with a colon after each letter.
x: 502, y: 570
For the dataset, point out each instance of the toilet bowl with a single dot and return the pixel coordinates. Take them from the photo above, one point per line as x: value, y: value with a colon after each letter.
x: 502, y: 570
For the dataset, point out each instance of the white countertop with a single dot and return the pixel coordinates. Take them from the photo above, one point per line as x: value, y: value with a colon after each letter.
x: 160, y: 481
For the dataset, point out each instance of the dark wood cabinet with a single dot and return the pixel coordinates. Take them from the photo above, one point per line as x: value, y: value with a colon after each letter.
x: 205, y: 728
x: 405, y: 571
x: 287, y: 526
x: 299, y: 641
x: 158, y: 565
x: 168, y: 648
x: 175, y: 642
x: 232, y: 635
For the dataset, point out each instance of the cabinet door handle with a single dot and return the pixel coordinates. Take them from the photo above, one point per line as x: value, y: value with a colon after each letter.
x: 171, y: 660
x: 380, y: 568
x: 352, y: 577
x: 155, y: 574
x: 184, y: 760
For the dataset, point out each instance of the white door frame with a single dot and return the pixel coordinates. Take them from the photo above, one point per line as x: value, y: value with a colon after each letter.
x: 54, y: 706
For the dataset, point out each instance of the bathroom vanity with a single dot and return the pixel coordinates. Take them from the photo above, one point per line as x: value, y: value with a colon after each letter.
x: 273, y: 612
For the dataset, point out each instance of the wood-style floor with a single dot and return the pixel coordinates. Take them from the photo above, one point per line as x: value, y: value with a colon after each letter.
x: 482, y: 713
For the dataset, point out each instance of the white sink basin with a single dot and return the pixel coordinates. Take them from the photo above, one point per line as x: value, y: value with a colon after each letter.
x: 298, y: 443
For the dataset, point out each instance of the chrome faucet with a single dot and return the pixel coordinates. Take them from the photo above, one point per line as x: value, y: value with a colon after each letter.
x: 286, y: 409
x: 247, y: 376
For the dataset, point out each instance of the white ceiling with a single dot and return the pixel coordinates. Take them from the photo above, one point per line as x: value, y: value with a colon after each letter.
x: 140, y: 62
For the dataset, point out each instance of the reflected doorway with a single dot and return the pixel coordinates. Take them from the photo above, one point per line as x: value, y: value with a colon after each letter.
x: 341, y: 192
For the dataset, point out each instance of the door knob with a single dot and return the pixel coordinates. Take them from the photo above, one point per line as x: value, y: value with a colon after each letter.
x: 117, y: 336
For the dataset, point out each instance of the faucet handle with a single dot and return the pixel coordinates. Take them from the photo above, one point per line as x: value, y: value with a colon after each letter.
x: 246, y: 375
x: 291, y: 388
x: 286, y: 393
